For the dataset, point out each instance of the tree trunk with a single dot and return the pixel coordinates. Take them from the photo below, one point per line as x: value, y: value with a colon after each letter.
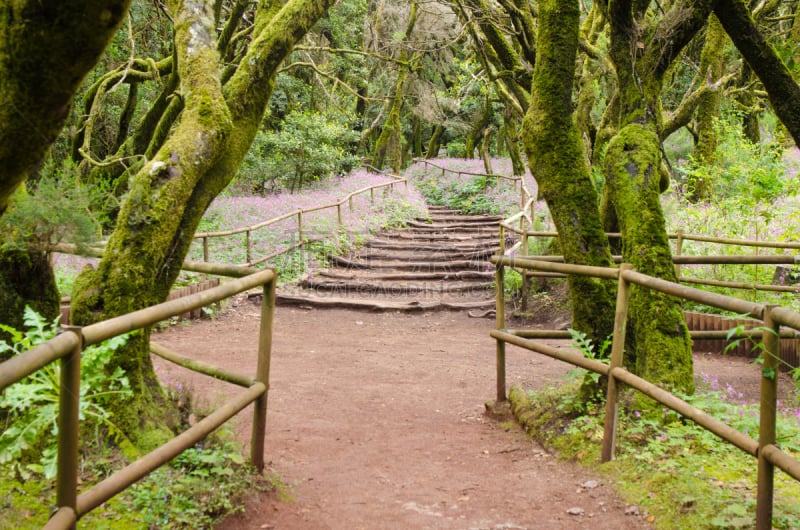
x: 557, y: 160
x: 783, y: 91
x: 26, y: 278
x: 711, y: 69
x: 389, y: 146
x: 486, y: 154
x: 659, y: 347
x: 751, y: 126
x: 416, y: 137
x: 434, y: 144
x: 479, y: 125
x: 169, y: 195
x: 46, y: 49
x: 511, y: 138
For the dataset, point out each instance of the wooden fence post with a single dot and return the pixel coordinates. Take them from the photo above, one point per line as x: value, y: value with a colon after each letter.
x: 500, y: 323
x: 617, y: 348
x: 526, y: 278
x: 262, y: 374
x: 300, y: 228
x: 69, y: 426
x: 247, y: 242
x: 766, y: 427
x: 678, y: 250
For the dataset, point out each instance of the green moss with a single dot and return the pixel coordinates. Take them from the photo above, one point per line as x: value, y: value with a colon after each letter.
x: 26, y: 278
x: 659, y: 345
x: 152, y: 436
x: 557, y: 158
x: 26, y: 505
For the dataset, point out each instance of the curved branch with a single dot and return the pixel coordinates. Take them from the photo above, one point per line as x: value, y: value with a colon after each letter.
x: 321, y: 73
x: 784, y: 93
x: 683, y: 113
x: 350, y: 51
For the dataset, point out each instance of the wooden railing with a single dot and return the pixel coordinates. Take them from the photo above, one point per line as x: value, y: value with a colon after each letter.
x: 768, y: 454
x: 681, y: 259
x: 67, y: 347
x: 298, y: 214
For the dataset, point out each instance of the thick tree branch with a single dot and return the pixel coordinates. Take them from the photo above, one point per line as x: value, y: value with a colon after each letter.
x: 683, y: 113
x: 784, y: 93
x: 46, y: 49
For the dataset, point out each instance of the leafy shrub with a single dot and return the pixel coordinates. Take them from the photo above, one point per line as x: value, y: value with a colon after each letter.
x: 750, y: 173
x: 307, y: 148
x: 30, y: 407
x: 196, y: 488
x: 456, y: 149
x: 477, y: 195
x: 54, y: 210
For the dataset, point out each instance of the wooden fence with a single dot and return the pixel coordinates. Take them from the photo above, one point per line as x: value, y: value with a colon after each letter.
x: 67, y: 348
x: 298, y: 215
x: 744, y: 347
x: 767, y: 453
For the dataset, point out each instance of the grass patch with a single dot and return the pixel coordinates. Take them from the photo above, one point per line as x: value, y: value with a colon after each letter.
x: 680, y: 474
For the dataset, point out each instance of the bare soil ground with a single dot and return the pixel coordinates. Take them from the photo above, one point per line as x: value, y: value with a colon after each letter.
x: 376, y: 421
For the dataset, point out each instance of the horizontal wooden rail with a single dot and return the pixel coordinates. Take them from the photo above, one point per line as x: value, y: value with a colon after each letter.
x: 262, y: 224
x: 688, y: 237
x: 747, y: 259
x: 21, y: 366
x: 469, y: 173
x: 200, y: 367
x: 112, y: 327
x: 120, y: 480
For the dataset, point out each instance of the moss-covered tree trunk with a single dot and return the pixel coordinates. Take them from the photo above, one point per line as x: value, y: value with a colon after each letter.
x: 480, y: 122
x: 659, y: 346
x: 783, y: 90
x: 435, y: 142
x: 46, y: 49
x: 558, y: 162
x: 486, y: 152
x: 389, y: 145
x: 26, y: 279
x: 169, y: 195
x: 751, y: 127
x: 510, y: 135
x: 712, y: 67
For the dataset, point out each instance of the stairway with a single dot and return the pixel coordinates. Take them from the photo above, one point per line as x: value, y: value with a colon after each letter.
x: 437, y: 263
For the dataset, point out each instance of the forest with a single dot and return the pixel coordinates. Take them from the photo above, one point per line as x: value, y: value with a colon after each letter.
x: 123, y: 121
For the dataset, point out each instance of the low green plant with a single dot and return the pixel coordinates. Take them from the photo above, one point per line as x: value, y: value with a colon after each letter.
x: 470, y: 197
x: 681, y: 474
x: 198, y: 487
x: 28, y: 444
x: 582, y: 343
x: 456, y: 149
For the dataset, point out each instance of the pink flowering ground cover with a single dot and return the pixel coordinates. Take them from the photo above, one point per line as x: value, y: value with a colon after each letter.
x: 364, y: 213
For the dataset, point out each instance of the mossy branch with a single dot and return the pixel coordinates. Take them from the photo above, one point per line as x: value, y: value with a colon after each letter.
x: 784, y: 93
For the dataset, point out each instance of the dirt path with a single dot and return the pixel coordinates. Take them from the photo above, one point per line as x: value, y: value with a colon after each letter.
x: 376, y: 422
